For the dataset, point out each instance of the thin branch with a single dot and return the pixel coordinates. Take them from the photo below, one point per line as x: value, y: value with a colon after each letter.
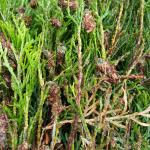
x: 80, y: 67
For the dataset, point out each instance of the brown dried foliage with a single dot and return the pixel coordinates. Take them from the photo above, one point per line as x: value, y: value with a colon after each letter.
x: 21, y: 10
x: 33, y: 4
x: 106, y: 39
x: 89, y: 23
x: 147, y: 56
x: 54, y: 98
x: 104, y: 67
x: 23, y: 146
x: 49, y: 56
x: 7, y: 79
x: 3, y: 130
x: 59, y: 146
x: 110, y: 72
x: 51, y: 62
x: 60, y: 54
x: 72, y: 4
x: 56, y: 23
x: 5, y: 43
x: 27, y: 20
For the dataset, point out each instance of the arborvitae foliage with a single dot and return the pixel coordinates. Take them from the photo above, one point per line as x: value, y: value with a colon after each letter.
x: 74, y: 74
